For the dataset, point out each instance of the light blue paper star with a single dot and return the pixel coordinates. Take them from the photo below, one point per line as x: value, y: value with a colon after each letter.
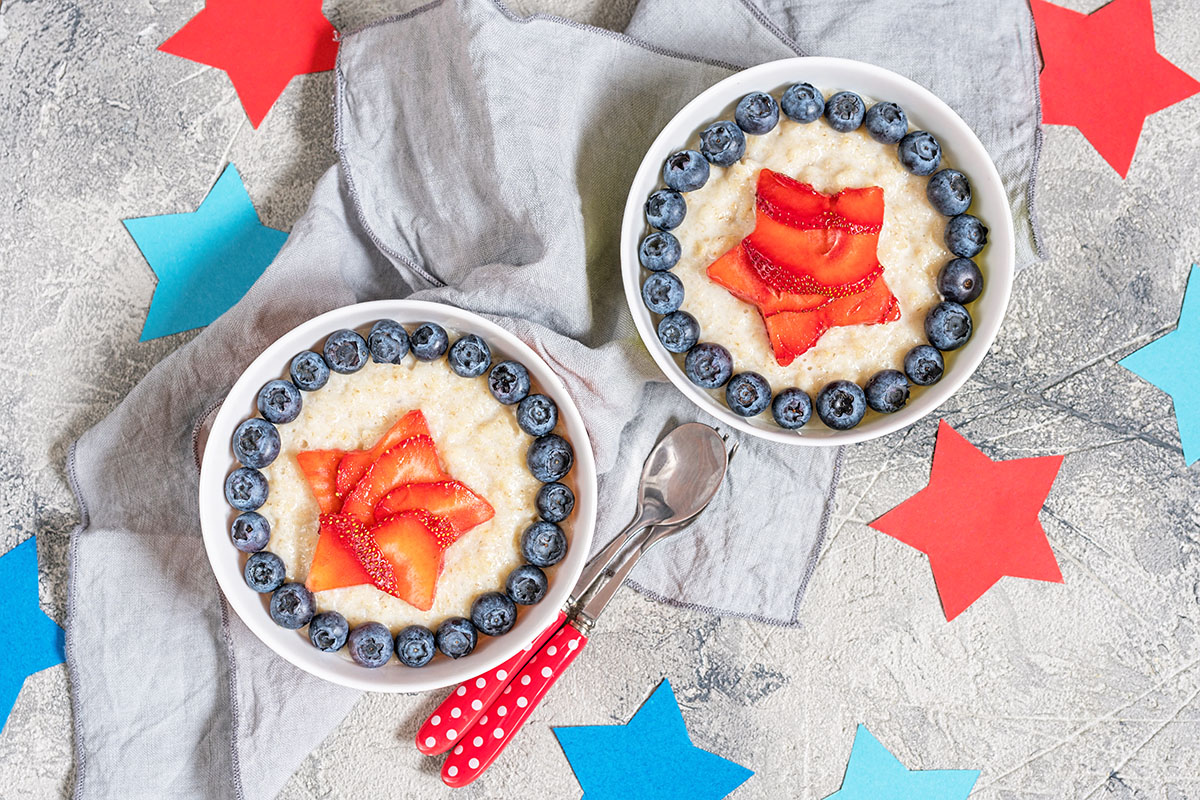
x: 1172, y: 363
x: 875, y: 774
x: 34, y: 641
x: 205, y: 260
x: 651, y: 758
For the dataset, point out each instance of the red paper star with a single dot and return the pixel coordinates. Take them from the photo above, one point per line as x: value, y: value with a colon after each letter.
x: 1103, y: 75
x: 977, y: 520
x: 261, y: 45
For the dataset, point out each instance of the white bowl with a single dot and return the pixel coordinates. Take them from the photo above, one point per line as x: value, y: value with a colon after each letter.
x: 227, y: 562
x: 925, y: 111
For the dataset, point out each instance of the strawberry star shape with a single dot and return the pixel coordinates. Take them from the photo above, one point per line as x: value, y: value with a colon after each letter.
x: 1088, y: 60
x: 977, y: 520
x: 260, y: 44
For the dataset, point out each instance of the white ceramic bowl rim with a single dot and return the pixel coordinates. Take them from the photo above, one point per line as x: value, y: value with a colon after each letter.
x: 226, y: 561
x: 925, y: 111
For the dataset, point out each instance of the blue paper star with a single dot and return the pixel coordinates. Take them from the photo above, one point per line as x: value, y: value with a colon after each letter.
x: 651, y: 758
x: 875, y: 774
x: 1172, y: 363
x: 205, y: 260
x: 35, y: 641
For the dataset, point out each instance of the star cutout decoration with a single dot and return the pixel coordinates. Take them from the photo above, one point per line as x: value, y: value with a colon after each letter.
x: 977, y: 520
x: 260, y: 44
x: 875, y: 774
x: 1172, y: 363
x: 205, y: 260
x: 1086, y: 78
x: 37, y: 640
x: 651, y: 758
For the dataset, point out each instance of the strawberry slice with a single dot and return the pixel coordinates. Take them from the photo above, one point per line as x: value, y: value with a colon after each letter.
x: 450, y: 501
x: 414, y: 460
x: 413, y: 551
x: 799, y: 205
x: 794, y: 333
x: 736, y: 273
x: 355, y: 463
x: 348, y: 555
x: 320, y: 468
x: 829, y: 261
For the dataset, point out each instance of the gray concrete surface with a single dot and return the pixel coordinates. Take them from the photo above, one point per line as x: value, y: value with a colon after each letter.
x: 1088, y: 689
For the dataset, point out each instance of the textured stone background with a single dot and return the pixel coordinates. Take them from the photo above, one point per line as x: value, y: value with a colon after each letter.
x: 1088, y: 689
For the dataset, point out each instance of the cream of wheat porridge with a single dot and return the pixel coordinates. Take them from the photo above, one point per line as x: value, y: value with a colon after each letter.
x: 911, y: 250
x: 479, y: 444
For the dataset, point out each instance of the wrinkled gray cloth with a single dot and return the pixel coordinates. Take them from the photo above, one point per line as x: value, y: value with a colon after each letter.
x: 483, y: 162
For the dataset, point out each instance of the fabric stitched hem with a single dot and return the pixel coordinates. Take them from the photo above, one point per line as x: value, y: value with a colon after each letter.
x: 235, y: 772
x: 69, y: 648
x: 768, y: 23
x: 212, y: 407
x: 1038, y: 135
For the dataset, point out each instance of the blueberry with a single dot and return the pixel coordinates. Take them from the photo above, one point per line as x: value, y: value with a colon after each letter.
x: 791, y: 408
x: 665, y: 209
x: 723, y: 143
x: 246, y: 489
x: 887, y: 391
x: 328, y: 631
x: 537, y: 415
x: 526, y: 585
x: 256, y: 443
x: 949, y: 192
x: 429, y: 341
x: 388, y: 342
x: 802, y: 102
x: 685, y: 171
x: 678, y: 331
x: 920, y: 153
x: 493, y: 613
x: 960, y: 280
x: 886, y: 122
x: 708, y: 365
x: 345, y: 351
x: 543, y: 544
x: 555, y: 501
x: 509, y: 382
x: 549, y: 458
x: 264, y: 572
x: 292, y: 606
x: 309, y: 371
x: 757, y: 113
x: 659, y: 251
x: 845, y: 112
x: 966, y: 236
x: 748, y: 394
x: 370, y: 645
x: 279, y: 401
x: 456, y: 637
x: 841, y: 405
x: 415, y: 646
x: 250, y: 532
x: 924, y: 365
x: 948, y: 326
x: 662, y: 292
x: 470, y: 356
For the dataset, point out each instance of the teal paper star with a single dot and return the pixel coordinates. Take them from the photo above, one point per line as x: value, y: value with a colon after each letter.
x: 1172, y: 363
x: 35, y: 641
x: 205, y: 260
x: 875, y: 774
x: 651, y: 758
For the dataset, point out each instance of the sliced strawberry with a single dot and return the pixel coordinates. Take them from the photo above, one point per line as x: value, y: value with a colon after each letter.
x: 347, y: 555
x: 415, y: 555
x: 414, y: 460
x: 794, y: 333
x: 450, y: 501
x: 801, y: 206
x: 319, y: 468
x: 735, y: 272
x: 830, y: 261
x: 355, y: 463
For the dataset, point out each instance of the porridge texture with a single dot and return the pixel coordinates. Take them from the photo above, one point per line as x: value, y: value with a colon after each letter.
x: 479, y: 444
x: 911, y: 251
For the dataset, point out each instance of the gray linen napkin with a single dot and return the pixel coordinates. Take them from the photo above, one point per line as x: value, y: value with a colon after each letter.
x: 470, y: 173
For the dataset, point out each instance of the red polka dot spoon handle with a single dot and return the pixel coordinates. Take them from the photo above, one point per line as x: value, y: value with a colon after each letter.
x: 486, y: 740
x: 469, y: 702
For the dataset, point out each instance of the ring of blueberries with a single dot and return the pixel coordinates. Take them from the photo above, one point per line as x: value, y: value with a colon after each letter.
x: 842, y: 404
x: 256, y: 443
